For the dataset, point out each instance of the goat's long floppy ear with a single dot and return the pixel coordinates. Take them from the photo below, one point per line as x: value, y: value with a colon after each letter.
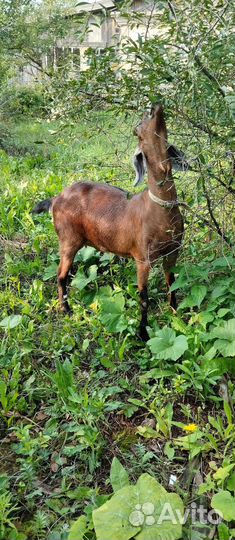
x: 139, y: 163
x: 178, y: 159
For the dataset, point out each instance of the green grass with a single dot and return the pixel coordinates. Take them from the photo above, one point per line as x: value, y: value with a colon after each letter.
x: 74, y: 390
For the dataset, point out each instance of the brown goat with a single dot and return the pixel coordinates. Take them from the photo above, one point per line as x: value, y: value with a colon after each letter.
x: 145, y: 227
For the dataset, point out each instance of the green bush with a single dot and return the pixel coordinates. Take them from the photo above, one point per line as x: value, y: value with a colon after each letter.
x: 23, y: 100
x: 4, y: 135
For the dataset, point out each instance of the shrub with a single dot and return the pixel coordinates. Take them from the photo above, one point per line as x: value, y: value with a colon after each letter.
x: 23, y: 100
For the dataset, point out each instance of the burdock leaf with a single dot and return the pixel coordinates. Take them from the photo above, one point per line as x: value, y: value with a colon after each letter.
x: 145, y: 511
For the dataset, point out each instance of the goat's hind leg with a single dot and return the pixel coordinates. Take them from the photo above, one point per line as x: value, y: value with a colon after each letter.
x: 143, y: 269
x: 67, y: 255
x: 168, y: 263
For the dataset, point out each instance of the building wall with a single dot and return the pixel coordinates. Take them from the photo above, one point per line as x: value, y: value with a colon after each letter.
x: 113, y: 29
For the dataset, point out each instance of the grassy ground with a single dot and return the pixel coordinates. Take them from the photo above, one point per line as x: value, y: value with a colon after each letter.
x: 76, y: 392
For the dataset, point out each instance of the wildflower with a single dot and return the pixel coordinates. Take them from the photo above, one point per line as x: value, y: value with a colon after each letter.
x: 94, y: 306
x: 190, y: 427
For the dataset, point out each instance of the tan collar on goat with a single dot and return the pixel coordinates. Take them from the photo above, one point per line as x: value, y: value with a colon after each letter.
x: 168, y: 204
x: 161, y: 202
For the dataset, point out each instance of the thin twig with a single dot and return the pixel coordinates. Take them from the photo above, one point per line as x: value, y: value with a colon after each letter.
x: 218, y: 229
x: 209, y: 75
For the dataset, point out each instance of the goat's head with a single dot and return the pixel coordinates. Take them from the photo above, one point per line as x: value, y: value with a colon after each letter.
x: 152, y: 150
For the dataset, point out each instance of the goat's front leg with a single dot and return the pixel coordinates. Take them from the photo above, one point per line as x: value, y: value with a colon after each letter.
x: 66, y: 261
x: 143, y: 269
x: 168, y: 263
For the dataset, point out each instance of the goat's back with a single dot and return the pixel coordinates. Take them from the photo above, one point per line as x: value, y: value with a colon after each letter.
x: 96, y: 214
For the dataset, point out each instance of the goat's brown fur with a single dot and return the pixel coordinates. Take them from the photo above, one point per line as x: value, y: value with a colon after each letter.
x: 102, y: 216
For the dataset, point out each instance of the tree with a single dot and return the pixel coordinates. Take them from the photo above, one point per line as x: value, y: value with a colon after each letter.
x: 187, y: 65
x: 29, y: 30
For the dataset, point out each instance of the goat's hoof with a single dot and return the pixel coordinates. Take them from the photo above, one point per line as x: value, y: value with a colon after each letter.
x: 66, y: 309
x: 143, y: 334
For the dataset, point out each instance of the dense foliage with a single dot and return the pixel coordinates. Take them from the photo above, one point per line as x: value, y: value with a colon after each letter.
x: 83, y: 401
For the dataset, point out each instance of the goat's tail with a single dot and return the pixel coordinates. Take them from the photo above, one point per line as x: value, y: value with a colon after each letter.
x: 43, y: 206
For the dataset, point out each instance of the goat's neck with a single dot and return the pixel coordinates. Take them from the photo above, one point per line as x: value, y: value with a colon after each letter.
x: 162, y: 186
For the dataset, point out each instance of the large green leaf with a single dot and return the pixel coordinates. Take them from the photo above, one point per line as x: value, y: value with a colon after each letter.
x: 188, y: 274
x: 50, y: 271
x: 145, y: 511
x: 167, y: 346
x: 226, y: 338
x: 227, y: 331
x: 218, y: 365
x: 227, y: 348
x: 78, y: 529
x: 87, y: 253
x: 111, y: 314
x: 118, y: 475
x: 224, y: 503
x: 11, y: 322
x: 196, y: 296
x: 81, y: 280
